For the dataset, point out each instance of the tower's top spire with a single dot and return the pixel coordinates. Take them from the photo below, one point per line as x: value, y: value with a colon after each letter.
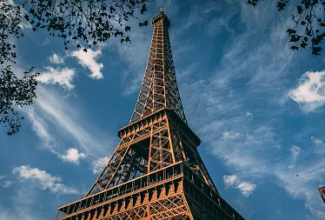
x: 159, y: 88
x: 161, y: 16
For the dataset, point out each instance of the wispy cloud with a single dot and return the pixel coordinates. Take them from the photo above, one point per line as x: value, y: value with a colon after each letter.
x: 230, y: 135
x: 55, y: 121
x: 22, y: 205
x: 252, y: 72
x: 98, y: 165
x: 134, y: 55
x: 310, y: 93
x: 88, y: 59
x: 39, y: 126
x: 64, y: 116
x: 302, y: 183
x: 295, y: 152
x: 43, y: 179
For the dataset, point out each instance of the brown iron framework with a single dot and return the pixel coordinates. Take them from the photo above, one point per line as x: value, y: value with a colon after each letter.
x: 156, y: 171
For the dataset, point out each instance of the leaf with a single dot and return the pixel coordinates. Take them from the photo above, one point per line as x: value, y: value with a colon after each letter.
x: 112, y: 9
x: 252, y: 2
x: 281, y: 5
x: 291, y: 31
x: 317, y: 40
x: 143, y: 9
x: 145, y: 23
x: 32, y: 11
x: 127, y: 28
x: 316, y: 50
x: 26, y: 17
x: 294, y: 38
x: 294, y: 48
x: 299, y: 9
x: 130, y: 13
x: 303, y: 44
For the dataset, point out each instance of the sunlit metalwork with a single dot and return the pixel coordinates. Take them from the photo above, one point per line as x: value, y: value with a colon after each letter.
x: 156, y: 171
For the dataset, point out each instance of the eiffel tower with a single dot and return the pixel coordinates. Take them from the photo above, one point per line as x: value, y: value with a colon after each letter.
x: 156, y: 171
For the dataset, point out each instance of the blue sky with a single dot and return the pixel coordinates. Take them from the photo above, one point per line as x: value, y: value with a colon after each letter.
x: 257, y: 106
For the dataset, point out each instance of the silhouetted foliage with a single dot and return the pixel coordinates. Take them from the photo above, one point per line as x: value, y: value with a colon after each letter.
x: 309, y: 20
x: 84, y: 22
x: 15, y: 92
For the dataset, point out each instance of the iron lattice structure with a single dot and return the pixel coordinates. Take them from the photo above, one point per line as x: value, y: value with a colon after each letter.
x: 156, y: 171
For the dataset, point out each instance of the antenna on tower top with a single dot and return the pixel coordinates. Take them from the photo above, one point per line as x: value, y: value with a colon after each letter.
x: 161, y: 9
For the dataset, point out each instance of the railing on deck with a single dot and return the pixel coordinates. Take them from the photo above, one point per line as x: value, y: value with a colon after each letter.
x: 162, y: 175
x: 165, y: 174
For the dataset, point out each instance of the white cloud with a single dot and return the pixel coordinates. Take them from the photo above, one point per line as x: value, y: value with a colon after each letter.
x: 87, y: 59
x: 98, y: 165
x: 62, y: 77
x: 295, y: 151
x: 56, y: 59
x: 317, y: 141
x: 277, y: 146
x: 43, y: 179
x: 248, y: 114
x: 318, y: 146
x: 246, y: 188
x: 73, y: 156
x: 7, y: 183
x: 230, y: 135
x: 310, y: 93
x: 229, y: 180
